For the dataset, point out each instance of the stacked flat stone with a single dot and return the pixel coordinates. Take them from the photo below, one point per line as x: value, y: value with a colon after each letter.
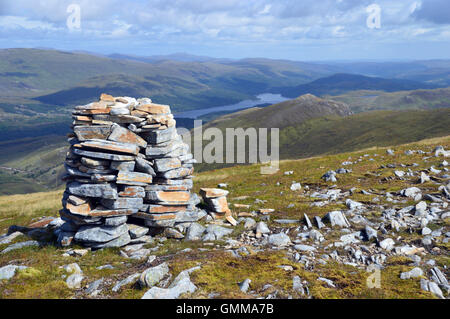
x: 216, y: 202
x: 125, y: 159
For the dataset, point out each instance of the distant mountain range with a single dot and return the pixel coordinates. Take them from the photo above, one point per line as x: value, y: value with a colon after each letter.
x: 30, y: 76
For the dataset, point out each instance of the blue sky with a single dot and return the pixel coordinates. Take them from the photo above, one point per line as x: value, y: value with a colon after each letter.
x: 288, y: 29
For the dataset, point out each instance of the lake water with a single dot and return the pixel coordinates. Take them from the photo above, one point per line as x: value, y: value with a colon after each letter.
x: 264, y: 98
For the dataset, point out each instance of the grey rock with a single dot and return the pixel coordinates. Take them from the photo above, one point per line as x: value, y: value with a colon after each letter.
x: 297, y: 285
x: 115, y: 221
x: 308, y: 222
x: 387, y: 244
x: 305, y: 248
x: 319, y: 222
x: 369, y: 233
x: 127, y: 166
x: 182, y: 284
x: 105, y: 267
x: 412, y: 192
x: 438, y: 276
x: 92, y: 190
x: 100, y: 234
x: 399, y: 173
x: 74, y: 281
x: 119, y: 111
x: 352, y: 205
x: 337, y: 218
x: 244, y: 285
x: 431, y: 287
x: 194, y: 232
x: 30, y: 243
x: 287, y: 221
x: 316, y: 235
x: 296, y: 187
x: 129, y: 280
x: 413, y: 273
x: 6, y: 239
x: 153, y: 275
x: 144, y: 166
x: 216, y: 232
x: 330, y: 176
x: 136, y: 231
x: 7, y: 272
x: 327, y: 281
x: 123, y: 202
x: 249, y: 223
x: 424, y: 178
x: 262, y: 228
x: 73, y: 268
x: 121, y: 241
x: 280, y: 239
x: 93, y: 288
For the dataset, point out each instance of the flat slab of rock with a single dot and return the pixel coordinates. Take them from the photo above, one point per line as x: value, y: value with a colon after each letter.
x: 92, y: 190
x: 137, y: 231
x: 213, y: 192
x: 279, y: 240
x: 84, y: 133
x: 100, y: 234
x: 109, y: 146
x: 132, y: 191
x: 102, y: 155
x: 167, y: 164
x: 123, y: 135
x: 6, y: 239
x: 170, y: 198
x: 178, y: 173
x: 129, y: 280
x: 30, y: 243
x: 121, y: 241
x: 133, y: 178
x: 154, y: 108
x: 123, y: 203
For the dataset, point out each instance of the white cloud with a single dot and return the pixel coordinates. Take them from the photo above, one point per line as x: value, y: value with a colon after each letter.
x: 215, y: 22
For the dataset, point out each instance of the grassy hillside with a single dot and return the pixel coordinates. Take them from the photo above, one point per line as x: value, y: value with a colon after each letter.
x: 283, y: 114
x: 360, y: 101
x: 335, y: 134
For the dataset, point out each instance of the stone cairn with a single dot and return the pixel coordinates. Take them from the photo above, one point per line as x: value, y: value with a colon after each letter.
x: 126, y: 163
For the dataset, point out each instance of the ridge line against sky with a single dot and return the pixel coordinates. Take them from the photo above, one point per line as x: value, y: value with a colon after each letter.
x: 300, y: 30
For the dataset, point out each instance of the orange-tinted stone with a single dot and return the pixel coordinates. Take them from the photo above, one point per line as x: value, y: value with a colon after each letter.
x: 153, y: 108
x: 107, y: 97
